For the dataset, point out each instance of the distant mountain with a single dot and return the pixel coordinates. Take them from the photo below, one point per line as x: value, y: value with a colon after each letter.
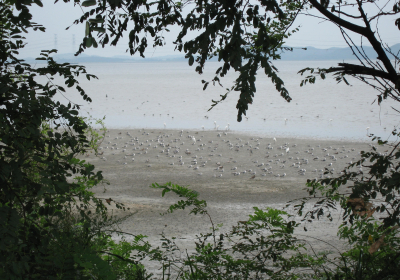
x: 311, y: 53
x: 395, y: 49
x: 84, y: 58
x: 306, y: 54
x: 178, y: 57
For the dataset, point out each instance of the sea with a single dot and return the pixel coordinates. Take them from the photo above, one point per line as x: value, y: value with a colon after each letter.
x: 169, y: 95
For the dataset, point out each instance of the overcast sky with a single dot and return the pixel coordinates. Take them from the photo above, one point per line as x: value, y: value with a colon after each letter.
x: 56, y: 17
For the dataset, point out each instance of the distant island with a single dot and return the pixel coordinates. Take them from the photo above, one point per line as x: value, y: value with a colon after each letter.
x: 298, y: 54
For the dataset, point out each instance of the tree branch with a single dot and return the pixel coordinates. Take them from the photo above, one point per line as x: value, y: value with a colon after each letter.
x: 378, y: 46
x: 382, y: 14
x: 354, y: 69
x: 347, y: 15
x: 341, y: 22
x: 364, y: 31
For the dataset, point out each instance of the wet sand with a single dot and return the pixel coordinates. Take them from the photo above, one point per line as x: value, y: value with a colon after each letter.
x: 232, y: 172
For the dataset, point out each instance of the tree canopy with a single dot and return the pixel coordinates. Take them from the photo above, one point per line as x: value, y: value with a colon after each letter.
x: 243, y: 36
x: 50, y: 220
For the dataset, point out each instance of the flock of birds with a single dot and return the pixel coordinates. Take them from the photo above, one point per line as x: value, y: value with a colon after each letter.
x: 221, y: 154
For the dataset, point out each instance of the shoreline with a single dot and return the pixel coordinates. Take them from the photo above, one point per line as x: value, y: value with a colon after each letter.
x: 252, y: 133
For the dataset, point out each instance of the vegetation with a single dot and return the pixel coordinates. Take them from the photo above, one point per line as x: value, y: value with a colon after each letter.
x: 53, y: 227
x: 266, y: 247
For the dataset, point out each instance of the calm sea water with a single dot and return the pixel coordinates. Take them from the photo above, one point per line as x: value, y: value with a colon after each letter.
x: 149, y: 95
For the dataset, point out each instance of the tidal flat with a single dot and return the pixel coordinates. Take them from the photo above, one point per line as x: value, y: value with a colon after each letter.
x: 233, y: 172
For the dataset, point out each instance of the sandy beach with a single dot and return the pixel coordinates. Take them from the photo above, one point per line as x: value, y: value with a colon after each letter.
x: 232, y: 172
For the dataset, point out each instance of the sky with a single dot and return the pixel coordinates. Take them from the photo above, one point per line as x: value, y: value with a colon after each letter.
x: 56, y: 17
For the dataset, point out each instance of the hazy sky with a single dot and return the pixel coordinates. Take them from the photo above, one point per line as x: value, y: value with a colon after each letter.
x: 56, y: 17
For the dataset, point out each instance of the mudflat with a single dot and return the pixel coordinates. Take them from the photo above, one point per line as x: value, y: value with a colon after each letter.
x: 232, y: 172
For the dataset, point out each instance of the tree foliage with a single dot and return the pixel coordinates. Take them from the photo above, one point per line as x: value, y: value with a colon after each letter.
x: 266, y: 247
x: 51, y: 225
x: 244, y: 37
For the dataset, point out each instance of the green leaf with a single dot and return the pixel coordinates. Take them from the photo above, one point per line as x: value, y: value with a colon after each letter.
x: 99, y: 29
x: 38, y: 2
x: 94, y: 43
x: 191, y: 60
x: 88, y: 3
x: 87, y: 29
x: 96, y: 20
x: 89, y: 42
x: 106, y: 39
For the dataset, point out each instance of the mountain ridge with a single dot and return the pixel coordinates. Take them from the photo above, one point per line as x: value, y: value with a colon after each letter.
x: 298, y: 54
